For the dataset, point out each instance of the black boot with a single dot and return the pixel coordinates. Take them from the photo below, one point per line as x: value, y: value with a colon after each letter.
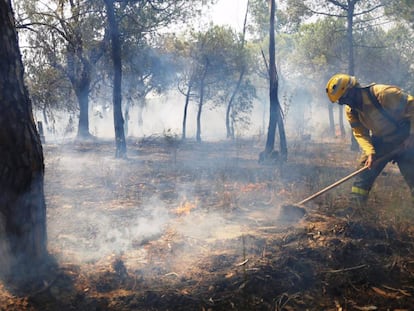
x: 357, y: 202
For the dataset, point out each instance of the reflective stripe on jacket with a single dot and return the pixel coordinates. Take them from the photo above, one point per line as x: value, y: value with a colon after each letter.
x: 399, y: 105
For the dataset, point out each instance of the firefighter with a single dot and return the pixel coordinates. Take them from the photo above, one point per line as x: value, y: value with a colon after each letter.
x: 382, y: 121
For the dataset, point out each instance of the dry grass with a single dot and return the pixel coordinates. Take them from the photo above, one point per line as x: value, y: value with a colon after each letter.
x: 195, y: 227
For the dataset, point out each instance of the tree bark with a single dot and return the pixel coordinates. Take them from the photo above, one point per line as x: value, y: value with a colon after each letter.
x: 79, y: 74
x: 331, y: 121
x: 230, y: 125
x: 187, y: 101
x: 201, y: 102
x: 117, y: 91
x: 351, y: 62
x: 275, y: 111
x: 82, y: 94
x: 23, y: 238
x: 200, y: 108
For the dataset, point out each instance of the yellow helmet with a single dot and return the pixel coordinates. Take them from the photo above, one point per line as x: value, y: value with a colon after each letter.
x: 338, y: 85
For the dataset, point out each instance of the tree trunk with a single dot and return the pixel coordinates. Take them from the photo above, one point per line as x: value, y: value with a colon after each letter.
x: 282, y: 134
x: 341, y: 121
x: 140, y: 118
x: 79, y: 75
x: 200, y: 108
x: 275, y: 111
x: 351, y: 59
x: 82, y: 94
x: 331, y: 121
x: 200, y: 105
x: 350, y: 37
x: 117, y: 91
x: 187, y: 101
x: 23, y: 242
x: 126, y: 121
x: 230, y: 125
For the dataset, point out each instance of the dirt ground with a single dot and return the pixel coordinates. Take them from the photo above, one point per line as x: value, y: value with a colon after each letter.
x: 186, y: 226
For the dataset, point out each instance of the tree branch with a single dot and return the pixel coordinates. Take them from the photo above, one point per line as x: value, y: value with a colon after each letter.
x: 337, y: 3
x: 28, y: 26
x: 369, y: 10
x: 345, y: 8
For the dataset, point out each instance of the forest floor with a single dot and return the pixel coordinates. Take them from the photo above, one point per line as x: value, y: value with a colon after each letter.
x: 187, y: 226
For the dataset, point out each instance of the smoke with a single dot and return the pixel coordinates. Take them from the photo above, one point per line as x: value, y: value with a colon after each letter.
x: 91, y: 218
x: 106, y: 223
x: 208, y: 226
x: 161, y: 114
x: 90, y: 235
x: 305, y: 114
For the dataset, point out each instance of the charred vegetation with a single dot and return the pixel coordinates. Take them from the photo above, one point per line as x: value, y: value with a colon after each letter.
x: 197, y: 228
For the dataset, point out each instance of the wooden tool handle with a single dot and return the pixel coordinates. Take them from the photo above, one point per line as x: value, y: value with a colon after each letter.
x: 333, y: 185
x: 385, y: 157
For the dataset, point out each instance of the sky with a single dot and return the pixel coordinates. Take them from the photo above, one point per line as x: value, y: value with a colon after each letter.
x: 230, y: 12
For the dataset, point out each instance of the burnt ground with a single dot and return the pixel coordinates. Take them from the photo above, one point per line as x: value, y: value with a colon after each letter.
x: 186, y: 226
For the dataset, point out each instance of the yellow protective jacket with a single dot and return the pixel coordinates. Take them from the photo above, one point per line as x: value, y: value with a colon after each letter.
x: 369, y: 121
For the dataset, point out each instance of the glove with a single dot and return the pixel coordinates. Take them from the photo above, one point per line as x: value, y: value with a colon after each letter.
x: 370, y: 160
x: 409, y: 142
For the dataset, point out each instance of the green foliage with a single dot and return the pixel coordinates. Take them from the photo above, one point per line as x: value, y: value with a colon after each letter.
x: 64, y: 39
x: 68, y: 36
x: 211, y: 62
x: 243, y: 105
x: 401, y: 9
x: 259, y: 11
x: 321, y: 45
x: 386, y: 56
x: 147, y: 69
x: 215, y: 52
x: 294, y: 13
x: 49, y: 90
